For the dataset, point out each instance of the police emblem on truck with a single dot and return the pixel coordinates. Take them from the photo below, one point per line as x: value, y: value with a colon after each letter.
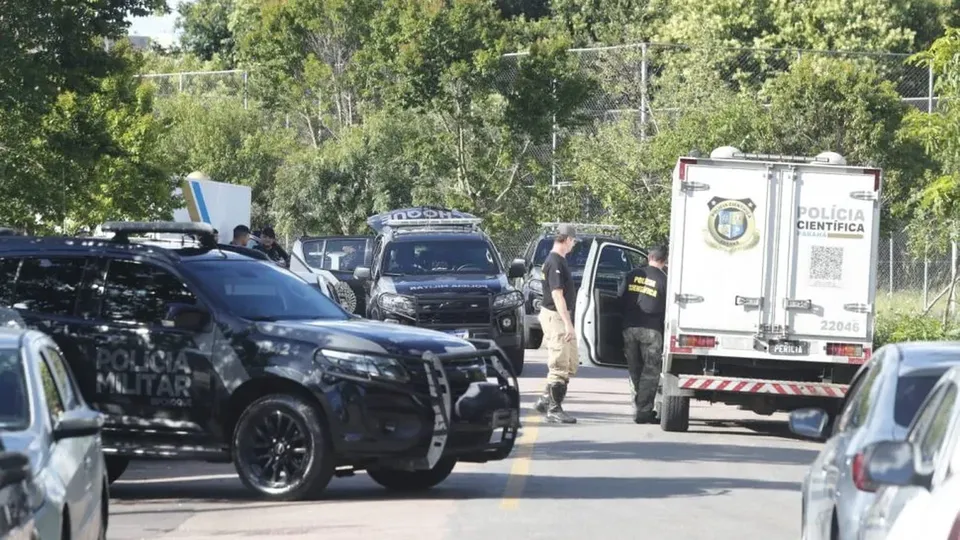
x: 731, y: 225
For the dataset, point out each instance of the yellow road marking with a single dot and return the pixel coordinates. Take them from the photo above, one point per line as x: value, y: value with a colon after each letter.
x: 521, y: 463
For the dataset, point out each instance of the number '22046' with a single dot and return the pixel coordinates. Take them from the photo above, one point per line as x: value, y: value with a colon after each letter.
x: 840, y: 326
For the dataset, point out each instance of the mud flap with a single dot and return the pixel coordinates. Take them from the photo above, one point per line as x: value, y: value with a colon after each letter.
x: 440, y: 395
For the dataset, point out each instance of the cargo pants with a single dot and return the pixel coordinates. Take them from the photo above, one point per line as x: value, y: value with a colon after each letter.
x: 643, y: 349
x: 562, y: 356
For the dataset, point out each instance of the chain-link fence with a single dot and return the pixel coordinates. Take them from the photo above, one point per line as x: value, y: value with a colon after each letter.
x: 910, y: 282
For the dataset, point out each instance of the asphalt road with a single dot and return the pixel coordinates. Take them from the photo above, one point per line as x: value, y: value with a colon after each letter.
x: 733, y: 476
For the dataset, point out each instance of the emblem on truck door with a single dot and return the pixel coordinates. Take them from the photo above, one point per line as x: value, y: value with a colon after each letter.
x: 731, y: 225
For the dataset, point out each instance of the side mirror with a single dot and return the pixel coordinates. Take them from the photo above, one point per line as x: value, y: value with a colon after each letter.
x: 518, y: 268
x: 810, y: 423
x: 14, y: 468
x: 893, y: 463
x: 361, y: 273
x: 78, y: 423
x: 187, y: 317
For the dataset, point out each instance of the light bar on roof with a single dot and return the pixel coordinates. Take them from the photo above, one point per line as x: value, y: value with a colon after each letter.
x: 780, y: 157
x: 455, y: 222
x: 140, y: 227
x: 583, y: 226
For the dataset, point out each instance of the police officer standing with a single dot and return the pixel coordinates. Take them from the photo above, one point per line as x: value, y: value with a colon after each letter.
x: 557, y: 323
x: 643, y: 300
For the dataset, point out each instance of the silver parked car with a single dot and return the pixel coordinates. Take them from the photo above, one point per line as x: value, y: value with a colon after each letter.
x: 908, y: 469
x: 43, y: 416
x: 880, y: 404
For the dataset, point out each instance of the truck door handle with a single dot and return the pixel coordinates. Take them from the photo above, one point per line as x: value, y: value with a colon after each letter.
x: 748, y: 301
x: 858, y: 308
x: 793, y: 303
x: 687, y: 299
x: 693, y: 186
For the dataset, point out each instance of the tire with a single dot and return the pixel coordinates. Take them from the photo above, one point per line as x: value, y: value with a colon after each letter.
x: 516, y: 357
x: 116, y: 466
x: 398, y: 480
x: 104, y: 514
x: 675, y: 414
x: 297, y: 462
x: 532, y: 338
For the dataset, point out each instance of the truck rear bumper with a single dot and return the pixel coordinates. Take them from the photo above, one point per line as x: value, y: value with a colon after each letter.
x: 711, y: 383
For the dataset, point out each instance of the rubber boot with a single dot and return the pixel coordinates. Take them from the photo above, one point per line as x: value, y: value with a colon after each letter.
x: 543, y: 402
x: 556, y: 414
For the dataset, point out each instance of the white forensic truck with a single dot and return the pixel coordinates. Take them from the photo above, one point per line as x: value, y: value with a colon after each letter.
x: 771, y: 284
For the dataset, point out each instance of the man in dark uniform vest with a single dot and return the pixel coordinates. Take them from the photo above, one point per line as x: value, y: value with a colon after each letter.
x: 643, y: 300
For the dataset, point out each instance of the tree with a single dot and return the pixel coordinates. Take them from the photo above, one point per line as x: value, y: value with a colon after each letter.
x: 205, y: 26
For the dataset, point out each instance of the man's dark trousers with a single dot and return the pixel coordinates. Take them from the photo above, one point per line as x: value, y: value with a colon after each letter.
x: 643, y: 349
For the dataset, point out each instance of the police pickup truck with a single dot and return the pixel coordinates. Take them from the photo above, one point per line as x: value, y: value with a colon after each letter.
x: 204, y: 352
x: 435, y: 268
x: 537, y: 250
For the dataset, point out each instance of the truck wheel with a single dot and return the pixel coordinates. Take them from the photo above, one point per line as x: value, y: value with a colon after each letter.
x: 281, y: 448
x: 675, y: 414
x: 516, y: 357
x: 399, y: 480
x: 116, y: 466
x: 532, y: 338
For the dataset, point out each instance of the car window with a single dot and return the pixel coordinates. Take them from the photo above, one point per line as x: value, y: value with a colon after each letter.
x: 14, y: 404
x: 441, y: 256
x: 8, y: 277
x: 342, y: 255
x: 51, y: 394
x: 936, y: 424
x: 912, y: 389
x: 313, y: 253
x: 614, y: 263
x: 49, y: 285
x: 137, y: 292
x: 857, y: 408
x: 262, y: 291
x: 63, y: 377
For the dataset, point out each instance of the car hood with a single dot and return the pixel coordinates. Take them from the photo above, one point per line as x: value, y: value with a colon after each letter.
x: 373, y: 337
x: 27, y: 443
x: 469, y: 283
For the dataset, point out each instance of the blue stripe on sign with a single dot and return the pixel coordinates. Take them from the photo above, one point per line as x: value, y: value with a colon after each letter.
x: 201, y: 204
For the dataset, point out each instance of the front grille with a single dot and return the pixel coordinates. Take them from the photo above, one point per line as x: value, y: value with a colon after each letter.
x: 446, y: 310
x: 459, y: 375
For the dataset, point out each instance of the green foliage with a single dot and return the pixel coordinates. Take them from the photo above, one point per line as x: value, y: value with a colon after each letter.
x: 894, y: 327
x: 205, y: 27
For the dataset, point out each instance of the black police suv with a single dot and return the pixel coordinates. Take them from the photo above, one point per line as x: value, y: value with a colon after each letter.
x: 435, y: 268
x: 202, y: 352
x: 536, y: 252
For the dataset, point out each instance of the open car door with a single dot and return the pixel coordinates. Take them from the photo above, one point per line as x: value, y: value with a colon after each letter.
x: 339, y: 255
x: 598, y: 316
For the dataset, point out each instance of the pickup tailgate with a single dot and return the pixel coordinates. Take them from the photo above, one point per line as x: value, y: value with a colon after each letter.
x: 827, y: 285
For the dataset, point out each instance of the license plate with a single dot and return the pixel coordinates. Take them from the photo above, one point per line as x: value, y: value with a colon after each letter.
x: 459, y: 333
x: 789, y: 347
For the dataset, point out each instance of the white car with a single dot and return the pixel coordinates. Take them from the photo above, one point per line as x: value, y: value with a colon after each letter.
x: 919, y: 495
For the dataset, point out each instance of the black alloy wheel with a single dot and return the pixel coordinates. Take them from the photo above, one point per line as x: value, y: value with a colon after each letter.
x: 281, y: 450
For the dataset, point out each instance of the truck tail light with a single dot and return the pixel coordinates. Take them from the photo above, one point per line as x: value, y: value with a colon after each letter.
x: 684, y: 163
x: 850, y: 350
x: 859, y: 473
x: 696, y: 342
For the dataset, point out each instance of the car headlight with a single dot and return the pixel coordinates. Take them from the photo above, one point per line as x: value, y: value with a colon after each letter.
x: 367, y: 366
x: 536, y: 285
x: 508, y: 300
x: 396, y: 303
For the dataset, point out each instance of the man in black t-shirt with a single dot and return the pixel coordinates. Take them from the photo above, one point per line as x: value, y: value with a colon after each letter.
x: 556, y: 320
x: 268, y: 244
x: 643, y: 299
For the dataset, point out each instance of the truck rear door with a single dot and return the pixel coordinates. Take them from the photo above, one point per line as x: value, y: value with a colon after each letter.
x: 723, y: 213
x: 826, y: 282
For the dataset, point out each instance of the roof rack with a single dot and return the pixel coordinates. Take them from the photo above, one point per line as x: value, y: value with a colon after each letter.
x: 204, y: 232
x: 469, y: 224
x: 583, y: 227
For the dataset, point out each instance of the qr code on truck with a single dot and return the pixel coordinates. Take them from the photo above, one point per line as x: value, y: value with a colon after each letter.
x: 826, y: 263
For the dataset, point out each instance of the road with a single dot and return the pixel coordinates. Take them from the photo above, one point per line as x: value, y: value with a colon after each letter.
x: 733, y: 476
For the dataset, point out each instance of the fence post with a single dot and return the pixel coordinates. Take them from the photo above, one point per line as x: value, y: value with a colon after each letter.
x: 180, y: 84
x: 952, y: 306
x: 926, y: 275
x: 930, y: 89
x: 244, y: 89
x: 890, y: 273
x: 643, y: 92
x: 553, y: 137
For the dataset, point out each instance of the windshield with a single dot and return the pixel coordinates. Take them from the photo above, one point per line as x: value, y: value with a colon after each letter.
x: 14, y: 408
x: 261, y: 291
x: 911, y: 391
x: 447, y: 256
x: 340, y: 255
